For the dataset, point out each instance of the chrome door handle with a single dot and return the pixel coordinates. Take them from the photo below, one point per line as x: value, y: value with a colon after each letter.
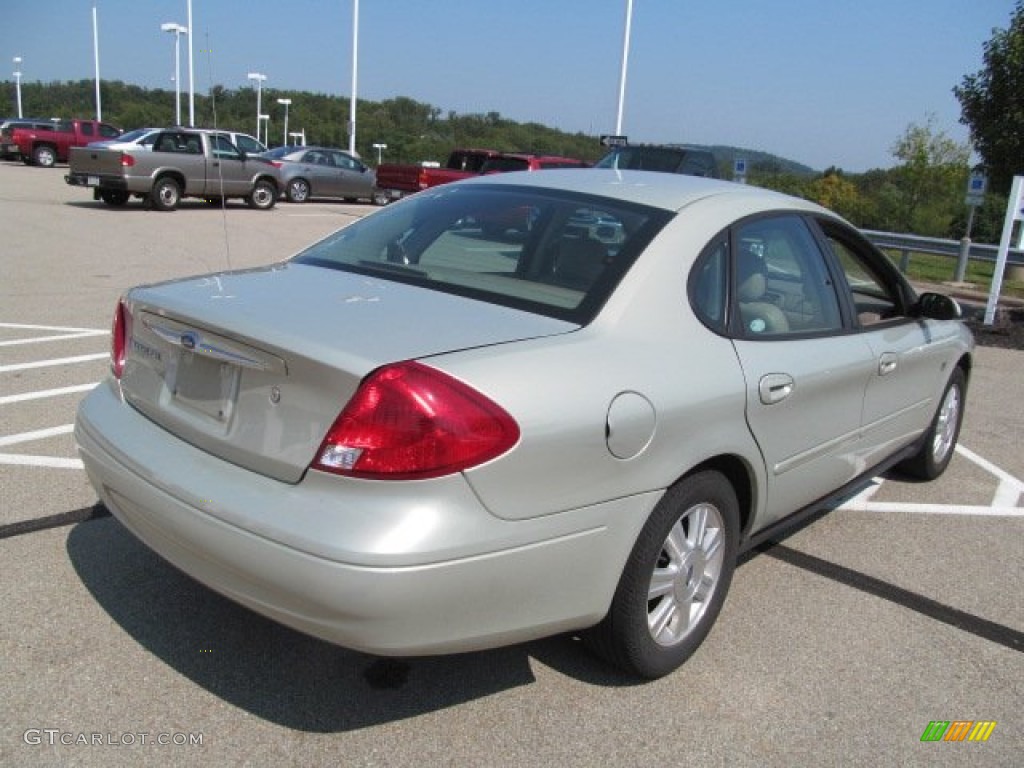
x: 887, y: 363
x: 775, y: 387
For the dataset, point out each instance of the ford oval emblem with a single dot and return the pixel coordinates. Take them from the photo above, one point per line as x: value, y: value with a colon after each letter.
x: 188, y: 340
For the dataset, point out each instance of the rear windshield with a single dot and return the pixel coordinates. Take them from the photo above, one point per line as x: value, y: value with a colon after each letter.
x: 553, y: 253
x: 663, y: 159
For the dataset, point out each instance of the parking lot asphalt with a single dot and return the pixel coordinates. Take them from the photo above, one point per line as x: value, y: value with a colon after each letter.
x: 838, y: 645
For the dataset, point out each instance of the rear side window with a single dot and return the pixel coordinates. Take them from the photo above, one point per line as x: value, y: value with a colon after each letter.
x: 557, y: 254
x: 766, y: 278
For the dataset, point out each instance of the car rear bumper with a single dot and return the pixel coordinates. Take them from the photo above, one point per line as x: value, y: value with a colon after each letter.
x: 96, y: 180
x: 370, y: 566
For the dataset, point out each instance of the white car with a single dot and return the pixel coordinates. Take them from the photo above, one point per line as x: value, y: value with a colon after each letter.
x: 425, y: 434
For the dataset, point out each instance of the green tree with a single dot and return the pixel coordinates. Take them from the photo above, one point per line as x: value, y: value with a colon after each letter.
x: 930, y: 177
x: 992, y: 103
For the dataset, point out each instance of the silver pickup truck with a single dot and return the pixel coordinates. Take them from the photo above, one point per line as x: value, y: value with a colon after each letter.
x: 184, y: 162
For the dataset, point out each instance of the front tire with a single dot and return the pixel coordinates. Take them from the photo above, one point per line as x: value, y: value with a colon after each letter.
x: 263, y: 195
x: 675, y: 580
x: 940, y: 440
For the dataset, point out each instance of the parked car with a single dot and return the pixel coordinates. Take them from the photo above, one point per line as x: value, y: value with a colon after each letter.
x: 48, y: 146
x: 691, y: 161
x: 412, y: 439
x: 308, y: 172
x: 140, y: 138
x: 8, y: 147
x: 244, y: 142
x: 398, y: 180
x: 184, y: 162
x: 522, y: 161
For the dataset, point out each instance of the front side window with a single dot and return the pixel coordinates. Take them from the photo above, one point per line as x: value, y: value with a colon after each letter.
x: 876, y: 291
x: 559, y: 254
x: 223, y: 148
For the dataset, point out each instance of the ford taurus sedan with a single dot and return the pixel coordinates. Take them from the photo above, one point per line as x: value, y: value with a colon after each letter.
x: 416, y: 437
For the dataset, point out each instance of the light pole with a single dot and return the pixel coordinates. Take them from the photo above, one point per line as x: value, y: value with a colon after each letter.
x: 259, y: 78
x: 96, y: 56
x: 380, y: 148
x: 191, y: 72
x: 625, y: 61
x: 355, y: 77
x: 17, y: 81
x: 265, y: 119
x: 285, y: 103
x: 177, y: 30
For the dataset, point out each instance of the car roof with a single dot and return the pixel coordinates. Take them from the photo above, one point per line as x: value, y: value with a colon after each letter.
x: 668, y: 191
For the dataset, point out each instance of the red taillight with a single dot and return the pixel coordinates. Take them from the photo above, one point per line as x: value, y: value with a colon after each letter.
x: 421, y: 180
x: 120, y: 337
x: 276, y: 163
x: 127, y: 161
x: 408, y: 421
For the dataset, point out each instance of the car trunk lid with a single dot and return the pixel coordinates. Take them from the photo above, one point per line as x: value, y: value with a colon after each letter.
x: 254, y: 366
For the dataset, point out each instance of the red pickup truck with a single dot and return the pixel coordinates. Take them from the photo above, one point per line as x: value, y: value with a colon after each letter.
x: 45, y: 148
x: 397, y: 181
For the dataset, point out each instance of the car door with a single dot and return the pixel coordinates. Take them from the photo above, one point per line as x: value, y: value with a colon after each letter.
x: 228, y: 175
x: 805, y: 372
x: 912, y: 356
x: 317, y: 169
x: 352, y: 180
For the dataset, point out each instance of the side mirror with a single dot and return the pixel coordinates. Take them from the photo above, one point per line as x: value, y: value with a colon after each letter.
x: 937, y: 306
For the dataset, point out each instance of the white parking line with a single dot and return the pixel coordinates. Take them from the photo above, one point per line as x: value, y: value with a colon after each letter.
x: 38, y: 434
x: 44, y: 393
x: 1004, y: 502
x: 54, y: 362
x: 57, y: 328
x: 53, y: 462
x: 61, y: 337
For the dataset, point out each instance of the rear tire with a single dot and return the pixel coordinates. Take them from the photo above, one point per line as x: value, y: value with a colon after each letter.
x: 44, y: 156
x: 166, y: 194
x: 675, y: 580
x: 939, y: 442
x: 114, y: 197
x: 298, y: 191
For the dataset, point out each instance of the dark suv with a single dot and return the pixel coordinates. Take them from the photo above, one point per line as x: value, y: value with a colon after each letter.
x: 8, y: 149
x: 691, y: 161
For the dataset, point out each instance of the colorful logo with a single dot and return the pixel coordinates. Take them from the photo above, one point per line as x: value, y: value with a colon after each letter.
x: 958, y: 730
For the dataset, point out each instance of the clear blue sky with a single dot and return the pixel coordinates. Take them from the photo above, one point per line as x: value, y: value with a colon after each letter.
x: 822, y: 82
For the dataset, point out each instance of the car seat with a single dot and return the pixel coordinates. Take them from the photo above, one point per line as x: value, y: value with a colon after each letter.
x: 759, y: 315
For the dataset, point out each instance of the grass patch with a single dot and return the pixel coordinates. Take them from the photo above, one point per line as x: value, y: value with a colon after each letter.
x: 929, y: 268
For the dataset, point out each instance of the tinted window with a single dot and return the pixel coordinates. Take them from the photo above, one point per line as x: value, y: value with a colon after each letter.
x: 222, y: 147
x: 875, y: 288
x: 248, y: 145
x: 505, y: 164
x: 553, y: 253
x: 109, y: 131
x: 692, y: 162
x: 782, y: 284
x: 708, y: 284
x: 341, y: 160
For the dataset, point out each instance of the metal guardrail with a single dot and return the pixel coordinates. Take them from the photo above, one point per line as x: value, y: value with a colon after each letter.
x: 958, y: 249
